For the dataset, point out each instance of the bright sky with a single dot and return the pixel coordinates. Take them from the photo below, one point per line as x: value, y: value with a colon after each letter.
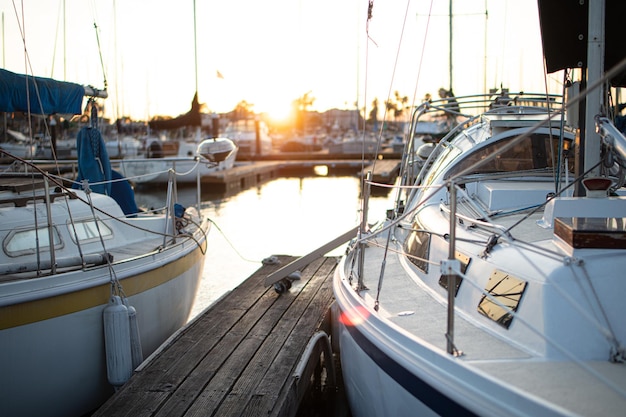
x: 270, y: 52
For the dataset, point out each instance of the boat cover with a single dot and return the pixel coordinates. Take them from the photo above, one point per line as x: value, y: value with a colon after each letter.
x: 93, y: 160
x: 123, y: 193
x: 23, y: 93
x: 563, y: 32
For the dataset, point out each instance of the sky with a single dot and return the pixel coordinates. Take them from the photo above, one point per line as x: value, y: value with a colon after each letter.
x: 271, y: 52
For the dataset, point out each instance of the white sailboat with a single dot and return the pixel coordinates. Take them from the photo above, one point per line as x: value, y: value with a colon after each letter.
x: 187, y: 158
x: 89, y: 285
x: 495, y: 287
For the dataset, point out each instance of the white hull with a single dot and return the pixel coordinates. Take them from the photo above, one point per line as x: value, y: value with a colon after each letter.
x: 54, y: 363
x: 185, y: 165
x: 248, y: 134
x: 57, y: 367
x: 526, y: 319
x: 391, y: 369
x: 149, y: 170
x: 90, y: 285
x: 53, y: 358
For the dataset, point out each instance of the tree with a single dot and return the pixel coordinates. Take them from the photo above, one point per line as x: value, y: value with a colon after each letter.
x: 301, y: 105
x: 243, y: 110
x: 397, y: 106
x: 373, y: 116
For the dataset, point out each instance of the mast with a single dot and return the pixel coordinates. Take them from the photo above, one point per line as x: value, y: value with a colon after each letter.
x: 195, y: 70
x: 595, y: 69
x: 450, y: 46
x: 195, y: 45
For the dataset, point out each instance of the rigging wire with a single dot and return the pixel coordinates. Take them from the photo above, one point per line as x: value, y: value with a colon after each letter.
x: 230, y: 243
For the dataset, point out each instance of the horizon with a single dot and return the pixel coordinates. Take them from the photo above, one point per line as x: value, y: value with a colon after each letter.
x: 271, y: 53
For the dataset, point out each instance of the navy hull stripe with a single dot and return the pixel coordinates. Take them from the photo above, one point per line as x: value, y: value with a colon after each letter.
x: 431, y: 397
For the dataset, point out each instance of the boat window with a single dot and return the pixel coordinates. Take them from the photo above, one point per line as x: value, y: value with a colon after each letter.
x: 447, y: 156
x: 533, y: 152
x: 87, y: 231
x: 464, y: 260
x: 505, y: 292
x: 417, y: 246
x: 25, y: 242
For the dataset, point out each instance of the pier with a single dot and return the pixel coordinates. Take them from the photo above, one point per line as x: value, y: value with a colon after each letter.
x: 254, y: 352
x: 252, y: 173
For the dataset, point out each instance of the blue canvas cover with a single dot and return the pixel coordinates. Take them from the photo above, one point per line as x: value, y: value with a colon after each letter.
x: 93, y: 160
x: 18, y: 91
x: 123, y: 193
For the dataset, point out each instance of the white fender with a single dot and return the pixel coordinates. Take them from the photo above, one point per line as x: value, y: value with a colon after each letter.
x: 117, y: 342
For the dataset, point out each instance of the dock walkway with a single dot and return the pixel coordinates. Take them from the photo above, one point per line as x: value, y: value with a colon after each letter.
x: 251, y: 174
x: 241, y: 356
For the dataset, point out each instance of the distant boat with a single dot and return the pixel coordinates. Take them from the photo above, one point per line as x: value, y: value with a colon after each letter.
x: 495, y: 287
x: 251, y: 137
x: 186, y: 158
x: 16, y: 143
x: 89, y: 284
x: 354, y: 143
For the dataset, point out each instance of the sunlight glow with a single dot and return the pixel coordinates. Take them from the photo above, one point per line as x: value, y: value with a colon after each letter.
x: 289, y: 48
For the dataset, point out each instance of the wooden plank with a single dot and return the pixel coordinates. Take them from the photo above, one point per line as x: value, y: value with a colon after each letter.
x: 384, y: 171
x: 168, y: 371
x: 308, y: 258
x: 273, y: 365
x: 250, y: 360
x: 236, y: 358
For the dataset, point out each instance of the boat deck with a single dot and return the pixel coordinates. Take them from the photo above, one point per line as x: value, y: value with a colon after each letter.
x: 240, y: 356
x: 577, y: 387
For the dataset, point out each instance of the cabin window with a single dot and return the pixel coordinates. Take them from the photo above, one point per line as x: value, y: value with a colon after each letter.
x: 533, y: 152
x: 87, y: 231
x: 464, y: 260
x: 507, y: 290
x: 417, y: 246
x: 25, y: 242
x: 447, y: 156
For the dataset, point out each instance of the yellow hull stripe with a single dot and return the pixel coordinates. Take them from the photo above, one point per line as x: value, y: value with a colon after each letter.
x: 50, y: 307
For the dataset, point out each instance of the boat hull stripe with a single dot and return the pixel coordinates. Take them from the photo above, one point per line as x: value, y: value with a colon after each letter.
x: 420, y: 389
x: 71, y: 302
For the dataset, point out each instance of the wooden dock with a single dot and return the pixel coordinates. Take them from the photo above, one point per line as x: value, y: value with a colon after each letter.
x: 249, y: 354
x: 250, y: 174
x: 243, y: 176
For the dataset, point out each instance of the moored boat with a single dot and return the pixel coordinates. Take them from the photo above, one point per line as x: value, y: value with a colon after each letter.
x: 89, y: 284
x: 189, y: 158
x: 251, y: 137
x: 494, y: 287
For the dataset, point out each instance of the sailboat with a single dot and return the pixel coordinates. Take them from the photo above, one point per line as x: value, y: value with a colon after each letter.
x: 495, y: 286
x: 89, y: 284
x: 189, y: 158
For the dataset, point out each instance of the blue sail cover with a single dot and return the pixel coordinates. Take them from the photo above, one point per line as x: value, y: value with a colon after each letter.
x: 16, y: 91
x: 93, y: 160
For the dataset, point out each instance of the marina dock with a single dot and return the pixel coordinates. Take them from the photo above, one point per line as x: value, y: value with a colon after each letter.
x: 249, y: 174
x: 254, y: 352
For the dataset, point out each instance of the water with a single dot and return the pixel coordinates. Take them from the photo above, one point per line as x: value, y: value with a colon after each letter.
x: 287, y: 216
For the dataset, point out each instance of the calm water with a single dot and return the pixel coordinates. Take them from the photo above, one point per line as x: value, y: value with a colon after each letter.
x: 287, y: 216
